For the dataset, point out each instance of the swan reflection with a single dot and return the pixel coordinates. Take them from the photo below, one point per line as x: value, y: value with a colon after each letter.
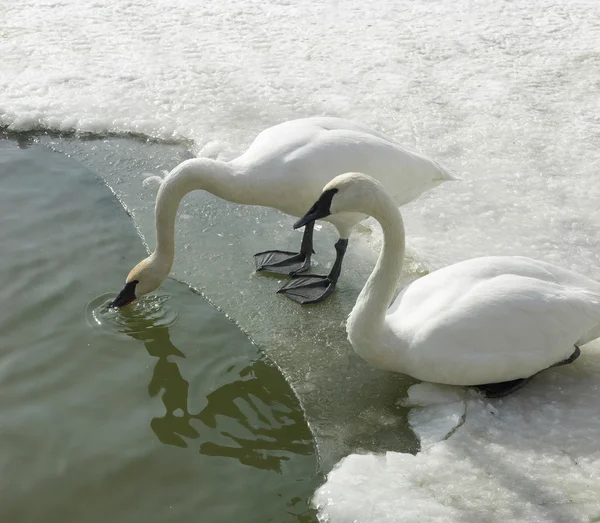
x: 255, y: 417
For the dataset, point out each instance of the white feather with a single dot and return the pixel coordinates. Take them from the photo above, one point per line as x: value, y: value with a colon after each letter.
x: 484, y: 320
x: 285, y: 168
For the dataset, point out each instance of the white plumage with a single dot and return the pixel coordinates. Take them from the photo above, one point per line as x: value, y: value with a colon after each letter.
x: 286, y: 167
x: 482, y: 321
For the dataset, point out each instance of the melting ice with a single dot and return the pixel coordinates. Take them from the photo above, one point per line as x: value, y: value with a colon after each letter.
x: 505, y: 93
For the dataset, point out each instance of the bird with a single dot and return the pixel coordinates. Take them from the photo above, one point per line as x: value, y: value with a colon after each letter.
x: 285, y: 168
x: 491, y: 322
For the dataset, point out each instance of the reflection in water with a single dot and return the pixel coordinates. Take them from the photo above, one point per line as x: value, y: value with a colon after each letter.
x: 68, y: 393
x: 256, y: 418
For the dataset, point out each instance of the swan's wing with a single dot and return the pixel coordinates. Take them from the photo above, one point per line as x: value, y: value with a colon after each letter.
x: 308, y: 153
x: 331, y: 123
x: 494, y: 318
x: 317, y: 124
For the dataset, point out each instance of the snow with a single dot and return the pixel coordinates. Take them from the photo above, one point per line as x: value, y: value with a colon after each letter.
x: 533, y: 457
x: 503, y: 92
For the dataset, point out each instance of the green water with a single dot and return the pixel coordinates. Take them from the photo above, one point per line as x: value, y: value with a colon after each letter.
x: 349, y: 405
x: 165, y: 412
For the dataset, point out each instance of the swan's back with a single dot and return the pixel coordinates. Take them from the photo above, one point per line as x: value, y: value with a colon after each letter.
x: 496, y: 318
x: 302, y: 156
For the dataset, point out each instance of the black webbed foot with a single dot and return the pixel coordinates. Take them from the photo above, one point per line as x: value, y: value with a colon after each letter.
x: 308, y: 289
x: 570, y: 359
x: 286, y: 262
x: 504, y: 388
x: 498, y: 390
x: 282, y: 262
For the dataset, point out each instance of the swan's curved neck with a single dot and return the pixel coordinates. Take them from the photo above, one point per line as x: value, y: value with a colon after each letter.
x: 366, y: 321
x: 218, y: 178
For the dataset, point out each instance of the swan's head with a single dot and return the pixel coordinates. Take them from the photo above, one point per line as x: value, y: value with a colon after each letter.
x: 145, y: 277
x: 350, y: 192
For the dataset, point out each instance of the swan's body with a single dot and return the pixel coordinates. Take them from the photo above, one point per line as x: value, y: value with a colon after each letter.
x: 489, y: 320
x: 486, y: 320
x: 285, y: 168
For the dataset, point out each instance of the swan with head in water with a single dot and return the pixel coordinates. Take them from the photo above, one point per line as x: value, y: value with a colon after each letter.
x: 286, y: 167
x: 492, y: 322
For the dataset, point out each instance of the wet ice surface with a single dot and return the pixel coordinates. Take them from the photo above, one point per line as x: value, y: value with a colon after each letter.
x: 530, y: 457
x: 505, y: 93
x: 348, y: 404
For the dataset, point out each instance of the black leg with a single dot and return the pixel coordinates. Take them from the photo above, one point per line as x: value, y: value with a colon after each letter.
x: 285, y: 262
x: 315, y: 288
x: 498, y: 390
x: 504, y: 388
x: 340, y: 252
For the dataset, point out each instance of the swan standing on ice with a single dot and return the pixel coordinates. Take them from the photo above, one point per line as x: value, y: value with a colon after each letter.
x: 286, y: 167
x: 492, y: 322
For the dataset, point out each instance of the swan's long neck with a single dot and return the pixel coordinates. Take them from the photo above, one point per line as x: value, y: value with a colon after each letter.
x: 366, y: 321
x: 218, y: 178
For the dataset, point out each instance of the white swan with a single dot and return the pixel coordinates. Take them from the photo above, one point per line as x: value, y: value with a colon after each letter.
x: 286, y: 167
x: 492, y: 322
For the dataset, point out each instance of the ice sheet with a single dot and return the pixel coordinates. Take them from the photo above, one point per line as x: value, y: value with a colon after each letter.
x: 505, y: 93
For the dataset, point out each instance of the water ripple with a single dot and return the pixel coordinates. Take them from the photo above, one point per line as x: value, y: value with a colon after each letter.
x: 146, y: 313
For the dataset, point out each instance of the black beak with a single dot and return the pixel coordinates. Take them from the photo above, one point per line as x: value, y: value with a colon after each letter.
x: 321, y: 209
x: 126, y: 296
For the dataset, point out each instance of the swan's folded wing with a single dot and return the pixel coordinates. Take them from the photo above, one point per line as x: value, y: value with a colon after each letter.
x: 500, y: 328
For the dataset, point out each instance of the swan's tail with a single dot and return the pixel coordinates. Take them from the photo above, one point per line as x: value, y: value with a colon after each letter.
x: 445, y: 174
x: 590, y: 335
